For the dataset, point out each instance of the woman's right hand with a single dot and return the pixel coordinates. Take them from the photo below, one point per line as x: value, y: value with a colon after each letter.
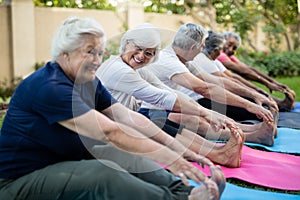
x: 186, y: 170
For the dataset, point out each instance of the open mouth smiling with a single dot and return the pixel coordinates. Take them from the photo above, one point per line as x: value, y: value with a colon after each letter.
x: 136, y: 60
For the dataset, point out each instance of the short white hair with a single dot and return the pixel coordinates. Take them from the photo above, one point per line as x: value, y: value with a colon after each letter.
x: 145, y: 35
x: 235, y: 35
x: 70, y: 35
x: 188, y: 34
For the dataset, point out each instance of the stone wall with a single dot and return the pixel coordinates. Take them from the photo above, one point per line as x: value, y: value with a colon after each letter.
x: 26, y: 31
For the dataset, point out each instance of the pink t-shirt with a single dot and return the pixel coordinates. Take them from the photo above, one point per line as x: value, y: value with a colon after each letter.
x: 224, y: 58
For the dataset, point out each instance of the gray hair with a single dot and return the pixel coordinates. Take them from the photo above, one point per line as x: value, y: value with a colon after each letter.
x: 70, y: 35
x: 145, y: 35
x: 189, y: 34
x: 228, y: 34
x: 213, y: 42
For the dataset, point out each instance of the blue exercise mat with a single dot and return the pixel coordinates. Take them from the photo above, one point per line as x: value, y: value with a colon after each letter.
x: 287, y: 141
x: 297, y: 107
x: 289, y: 120
x: 233, y: 192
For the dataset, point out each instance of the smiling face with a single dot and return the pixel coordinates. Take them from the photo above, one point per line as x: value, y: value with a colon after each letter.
x: 81, y: 65
x: 230, y: 46
x: 136, y: 56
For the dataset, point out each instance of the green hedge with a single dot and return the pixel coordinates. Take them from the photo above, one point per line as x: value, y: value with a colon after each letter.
x: 281, y: 64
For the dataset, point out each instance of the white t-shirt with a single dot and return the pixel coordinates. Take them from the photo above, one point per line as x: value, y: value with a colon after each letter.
x: 169, y: 65
x: 199, y: 64
x: 220, y: 66
x: 201, y: 61
x: 128, y: 85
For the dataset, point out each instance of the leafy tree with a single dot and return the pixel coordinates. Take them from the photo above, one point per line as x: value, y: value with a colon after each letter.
x: 89, y: 4
x: 281, y: 18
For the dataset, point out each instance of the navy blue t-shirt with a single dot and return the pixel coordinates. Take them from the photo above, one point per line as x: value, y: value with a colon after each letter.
x: 31, y: 137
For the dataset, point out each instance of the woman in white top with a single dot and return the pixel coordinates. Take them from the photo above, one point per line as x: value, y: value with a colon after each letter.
x: 128, y: 82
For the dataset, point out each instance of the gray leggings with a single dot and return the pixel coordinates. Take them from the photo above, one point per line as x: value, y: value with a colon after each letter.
x: 118, y: 175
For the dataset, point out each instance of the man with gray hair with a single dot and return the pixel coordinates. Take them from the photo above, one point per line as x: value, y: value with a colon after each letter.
x: 233, y: 42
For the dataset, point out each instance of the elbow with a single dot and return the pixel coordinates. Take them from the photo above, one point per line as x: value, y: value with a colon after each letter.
x: 113, y: 135
x: 110, y: 133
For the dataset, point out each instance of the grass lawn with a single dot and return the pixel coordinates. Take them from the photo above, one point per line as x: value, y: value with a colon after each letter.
x: 293, y: 83
x: 1, y: 120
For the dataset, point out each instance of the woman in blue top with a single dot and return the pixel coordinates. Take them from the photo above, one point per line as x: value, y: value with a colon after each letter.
x: 65, y: 137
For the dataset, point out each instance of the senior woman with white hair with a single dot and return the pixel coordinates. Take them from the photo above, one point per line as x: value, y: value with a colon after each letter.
x: 128, y: 80
x: 65, y: 137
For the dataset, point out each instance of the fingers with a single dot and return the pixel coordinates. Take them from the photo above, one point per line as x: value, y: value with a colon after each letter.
x: 204, y: 161
x: 218, y: 177
x: 264, y: 114
x: 183, y: 178
x: 268, y: 116
x: 193, y: 174
x: 212, y: 189
x: 201, y: 160
x: 185, y: 170
x: 231, y: 124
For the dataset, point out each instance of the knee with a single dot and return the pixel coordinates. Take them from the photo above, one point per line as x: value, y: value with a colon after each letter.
x: 102, y: 167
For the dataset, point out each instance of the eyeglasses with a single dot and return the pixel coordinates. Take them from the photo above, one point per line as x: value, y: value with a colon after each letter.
x: 147, y: 52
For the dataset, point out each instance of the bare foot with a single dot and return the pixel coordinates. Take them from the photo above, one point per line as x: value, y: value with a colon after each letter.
x: 230, y: 154
x: 288, y: 103
x: 275, y: 117
x: 261, y: 133
x: 218, y: 177
x: 207, y: 191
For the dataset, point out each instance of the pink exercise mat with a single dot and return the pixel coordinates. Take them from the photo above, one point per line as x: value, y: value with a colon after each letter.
x: 270, y: 169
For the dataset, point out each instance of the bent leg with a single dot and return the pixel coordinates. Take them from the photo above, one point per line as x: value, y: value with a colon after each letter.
x: 134, y: 164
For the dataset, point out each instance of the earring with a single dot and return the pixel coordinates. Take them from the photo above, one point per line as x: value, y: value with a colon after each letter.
x: 66, y: 56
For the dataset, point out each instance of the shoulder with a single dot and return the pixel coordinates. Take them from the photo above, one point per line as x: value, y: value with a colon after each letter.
x: 220, y: 66
x: 234, y: 59
x: 223, y: 57
x: 113, y: 67
x: 48, y: 80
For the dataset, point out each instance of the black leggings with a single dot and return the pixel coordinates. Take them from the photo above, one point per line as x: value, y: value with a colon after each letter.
x: 160, y: 119
x: 233, y: 112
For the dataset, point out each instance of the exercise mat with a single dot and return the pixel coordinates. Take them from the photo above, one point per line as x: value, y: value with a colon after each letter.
x: 287, y: 141
x: 233, y: 192
x: 289, y: 120
x: 269, y: 169
x: 297, y: 107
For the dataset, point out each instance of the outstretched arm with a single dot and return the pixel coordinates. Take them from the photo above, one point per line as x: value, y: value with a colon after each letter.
x: 95, y: 125
x: 139, y: 122
x: 238, y: 89
x: 245, y: 71
x: 219, y: 94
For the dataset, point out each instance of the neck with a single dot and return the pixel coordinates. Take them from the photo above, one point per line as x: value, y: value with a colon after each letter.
x: 179, y: 55
x: 207, y: 54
